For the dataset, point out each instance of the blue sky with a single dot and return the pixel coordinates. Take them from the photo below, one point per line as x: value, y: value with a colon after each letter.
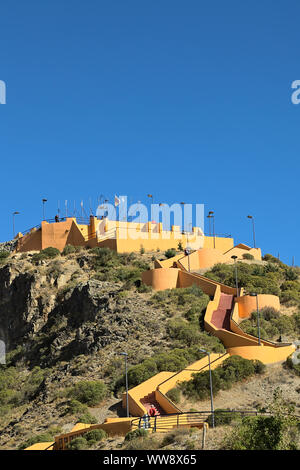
x: 189, y: 101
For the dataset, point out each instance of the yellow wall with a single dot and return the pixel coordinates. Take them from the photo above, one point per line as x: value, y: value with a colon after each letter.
x: 140, y: 391
x: 247, y: 304
x: 221, y: 244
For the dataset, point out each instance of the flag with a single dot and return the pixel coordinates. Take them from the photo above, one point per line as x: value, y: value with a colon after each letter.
x: 117, y: 201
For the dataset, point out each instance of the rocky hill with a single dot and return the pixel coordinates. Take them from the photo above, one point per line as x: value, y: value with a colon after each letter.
x: 65, y: 318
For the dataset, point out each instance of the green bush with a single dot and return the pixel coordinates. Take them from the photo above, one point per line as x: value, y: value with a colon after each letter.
x: 222, y: 417
x: 87, y: 418
x: 170, y: 253
x: 294, y: 367
x: 174, y: 394
x: 79, y: 443
x: 184, y: 332
x: 75, y: 407
x: 278, y: 431
x: 136, y: 434
x: 47, y: 253
x: 104, y: 257
x: 232, y: 370
x: 262, y: 279
x: 4, y: 254
x: 173, y: 360
x: 248, y: 256
x: 68, y: 249
x: 272, y: 324
x: 43, y: 437
x: 95, y: 435
x: 89, y: 392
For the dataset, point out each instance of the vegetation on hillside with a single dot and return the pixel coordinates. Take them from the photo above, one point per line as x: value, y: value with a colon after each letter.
x: 274, y: 277
x: 278, y: 430
x: 232, y: 370
x: 78, y: 378
x: 273, y: 325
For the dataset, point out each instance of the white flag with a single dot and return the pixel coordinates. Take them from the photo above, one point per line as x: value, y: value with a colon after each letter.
x: 117, y: 201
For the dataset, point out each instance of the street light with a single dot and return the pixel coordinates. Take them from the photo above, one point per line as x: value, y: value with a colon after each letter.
x: 126, y: 381
x: 234, y: 257
x: 253, y: 228
x: 254, y: 294
x: 14, y: 213
x: 43, y: 201
x: 211, y: 216
x: 151, y: 196
x: 211, y: 392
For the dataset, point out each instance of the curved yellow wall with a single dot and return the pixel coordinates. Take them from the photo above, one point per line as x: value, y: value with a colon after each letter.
x: 247, y: 304
x: 161, y: 279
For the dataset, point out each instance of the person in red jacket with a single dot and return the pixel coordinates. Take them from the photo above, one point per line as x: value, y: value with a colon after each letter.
x: 152, y: 411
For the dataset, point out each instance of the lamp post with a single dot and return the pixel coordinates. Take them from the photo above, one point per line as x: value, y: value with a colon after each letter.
x: 43, y: 201
x: 151, y: 197
x: 253, y: 229
x: 234, y: 257
x: 254, y: 294
x: 211, y: 391
x: 126, y: 381
x: 211, y: 216
x: 14, y: 213
x: 188, y: 250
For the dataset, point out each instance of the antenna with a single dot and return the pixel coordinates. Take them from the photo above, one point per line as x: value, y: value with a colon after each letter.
x: 91, y: 211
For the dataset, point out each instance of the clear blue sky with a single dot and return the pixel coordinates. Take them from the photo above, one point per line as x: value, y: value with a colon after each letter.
x: 187, y: 100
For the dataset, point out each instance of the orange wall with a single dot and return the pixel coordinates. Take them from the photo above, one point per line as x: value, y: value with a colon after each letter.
x: 247, y: 304
x: 222, y: 244
x: 162, y: 278
x: 30, y: 242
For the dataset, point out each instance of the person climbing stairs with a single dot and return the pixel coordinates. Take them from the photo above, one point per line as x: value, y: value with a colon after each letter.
x: 149, y: 401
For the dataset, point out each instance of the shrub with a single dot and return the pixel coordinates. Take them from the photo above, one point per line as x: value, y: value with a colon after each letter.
x: 233, y: 369
x: 4, y: 254
x: 174, y: 394
x: 183, y: 331
x: 177, y: 436
x: 87, y: 418
x: 136, y: 434
x: 89, y: 392
x: 47, y: 253
x: 95, y: 435
x: 221, y: 417
x: 75, y: 407
x: 43, y: 437
x: 170, y: 253
x: 79, y: 443
x: 145, y: 443
x: 248, y: 256
x: 294, y: 367
x: 104, y: 257
x: 68, y: 249
x: 144, y: 288
x: 276, y: 432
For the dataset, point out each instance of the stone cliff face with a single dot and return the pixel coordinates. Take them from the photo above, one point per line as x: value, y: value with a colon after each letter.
x: 54, y: 320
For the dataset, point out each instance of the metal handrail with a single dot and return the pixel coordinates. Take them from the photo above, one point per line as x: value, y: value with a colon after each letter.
x: 223, y: 235
x: 191, y: 417
x: 198, y: 370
